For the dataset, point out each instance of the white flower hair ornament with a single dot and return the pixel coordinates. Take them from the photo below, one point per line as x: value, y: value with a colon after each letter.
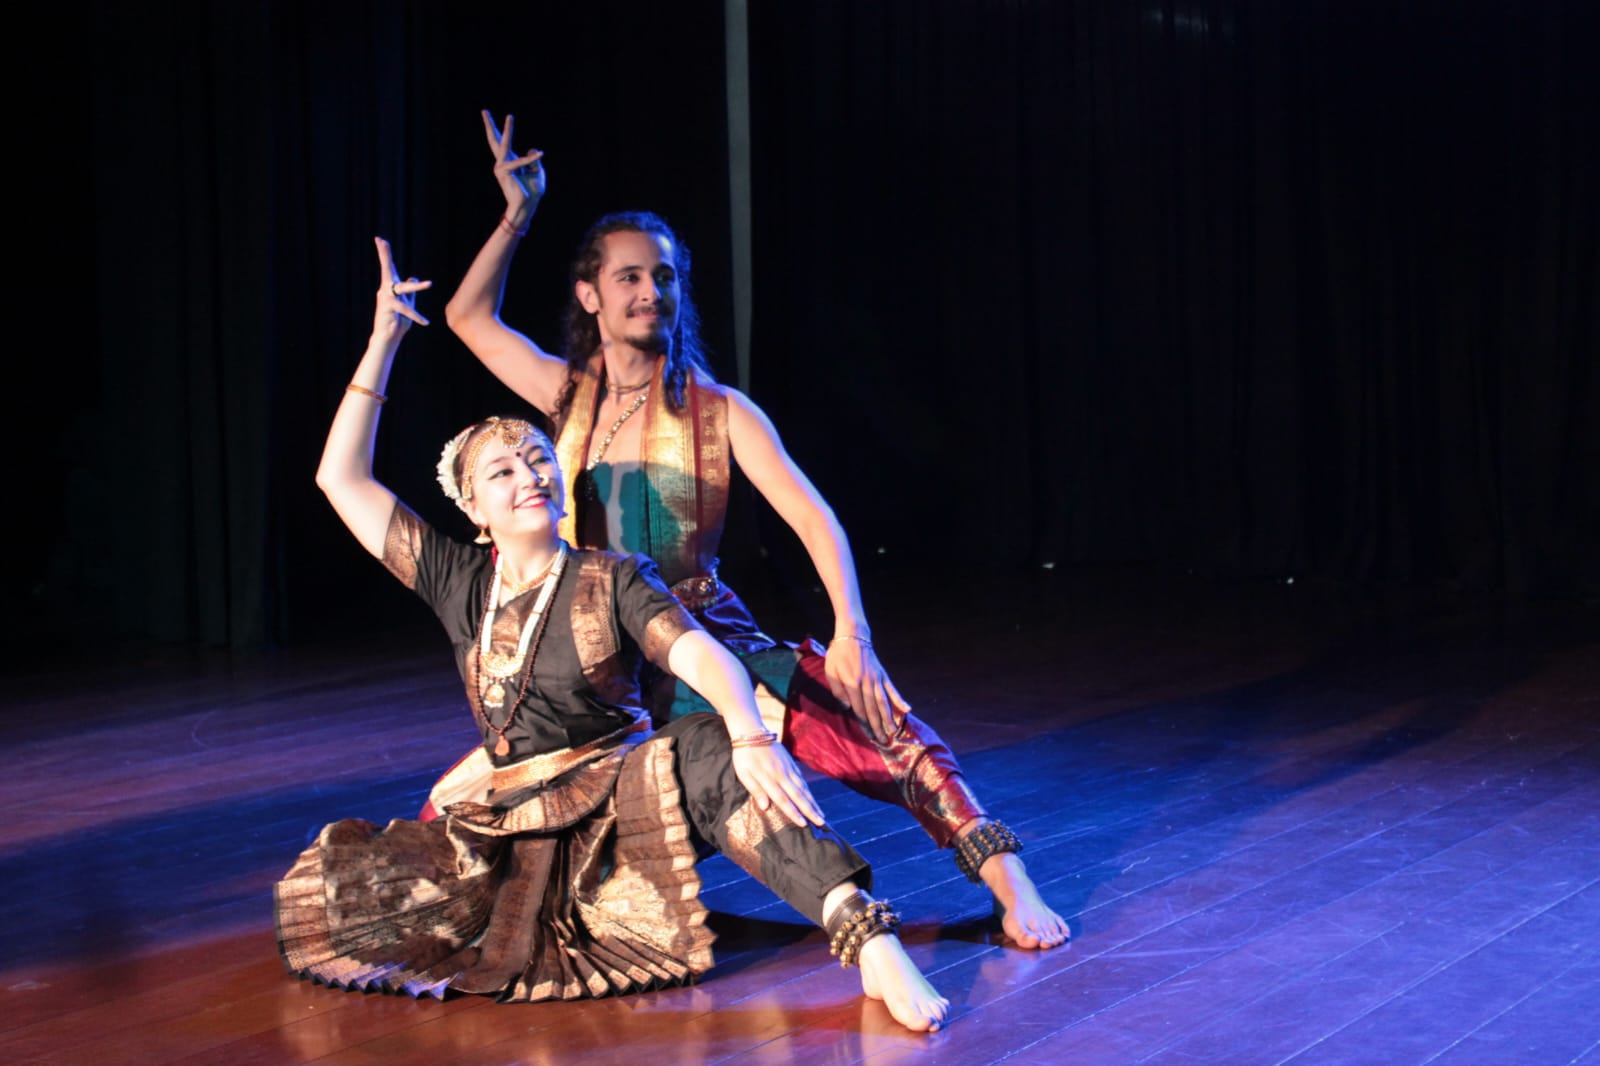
x: 447, y: 465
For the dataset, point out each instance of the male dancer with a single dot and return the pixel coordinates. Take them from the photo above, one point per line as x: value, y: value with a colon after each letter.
x: 647, y: 437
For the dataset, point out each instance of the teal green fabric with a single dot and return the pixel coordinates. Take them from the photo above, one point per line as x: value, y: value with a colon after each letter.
x: 775, y: 666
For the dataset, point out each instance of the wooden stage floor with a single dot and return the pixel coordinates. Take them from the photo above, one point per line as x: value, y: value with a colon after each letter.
x: 1287, y: 826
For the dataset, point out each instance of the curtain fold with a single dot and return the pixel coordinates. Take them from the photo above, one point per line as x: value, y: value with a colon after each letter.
x: 1257, y: 289
x: 1253, y: 289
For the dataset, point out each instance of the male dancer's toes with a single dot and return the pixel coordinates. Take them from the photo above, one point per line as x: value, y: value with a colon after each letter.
x: 986, y: 851
x: 861, y: 932
x: 1024, y: 916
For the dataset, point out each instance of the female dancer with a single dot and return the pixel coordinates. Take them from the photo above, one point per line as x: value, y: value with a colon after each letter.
x: 576, y: 878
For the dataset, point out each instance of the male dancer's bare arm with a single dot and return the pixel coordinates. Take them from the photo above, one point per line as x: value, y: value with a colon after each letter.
x: 473, y: 312
x: 854, y: 673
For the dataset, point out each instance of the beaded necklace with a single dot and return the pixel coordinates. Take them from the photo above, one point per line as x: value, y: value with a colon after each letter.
x: 605, y: 442
x: 499, y: 668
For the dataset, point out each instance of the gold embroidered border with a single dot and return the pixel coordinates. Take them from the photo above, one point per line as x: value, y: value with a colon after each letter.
x: 649, y: 907
x: 748, y: 828
x: 578, y: 794
x: 571, y: 444
x: 402, y: 544
x: 594, y: 629
x: 713, y: 461
x: 686, y: 460
x: 538, y: 769
x: 686, y: 469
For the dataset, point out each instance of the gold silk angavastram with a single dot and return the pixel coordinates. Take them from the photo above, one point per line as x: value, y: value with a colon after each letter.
x: 682, y: 496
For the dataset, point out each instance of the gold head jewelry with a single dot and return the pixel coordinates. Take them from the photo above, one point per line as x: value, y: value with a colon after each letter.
x: 511, y: 431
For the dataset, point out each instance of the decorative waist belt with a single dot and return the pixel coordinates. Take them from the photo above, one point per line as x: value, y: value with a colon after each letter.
x: 698, y: 592
x: 537, y: 769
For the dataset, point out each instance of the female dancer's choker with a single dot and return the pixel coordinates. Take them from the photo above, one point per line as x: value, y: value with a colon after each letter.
x: 509, y: 591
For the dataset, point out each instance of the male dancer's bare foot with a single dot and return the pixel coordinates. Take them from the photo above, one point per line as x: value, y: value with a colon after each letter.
x: 1024, y: 915
x: 889, y: 975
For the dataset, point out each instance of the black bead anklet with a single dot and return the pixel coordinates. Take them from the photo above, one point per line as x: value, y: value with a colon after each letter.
x: 974, y: 849
x: 856, y: 920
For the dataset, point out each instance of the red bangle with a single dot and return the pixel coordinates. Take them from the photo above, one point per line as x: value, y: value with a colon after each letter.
x: 509, y: 228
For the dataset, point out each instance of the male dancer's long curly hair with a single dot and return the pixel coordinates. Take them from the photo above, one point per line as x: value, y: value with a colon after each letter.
x: 685, y: 352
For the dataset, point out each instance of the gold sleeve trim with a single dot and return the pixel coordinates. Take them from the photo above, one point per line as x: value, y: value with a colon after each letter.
x: 663, y: 631
x: 402, y: 544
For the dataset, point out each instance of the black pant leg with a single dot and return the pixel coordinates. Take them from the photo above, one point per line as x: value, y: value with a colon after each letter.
x: 799, y: 863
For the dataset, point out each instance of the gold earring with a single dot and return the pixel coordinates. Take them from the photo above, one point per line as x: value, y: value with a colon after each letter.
x: 483, y: 536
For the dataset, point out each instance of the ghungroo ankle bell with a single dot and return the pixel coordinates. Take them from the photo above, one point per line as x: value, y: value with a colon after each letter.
x: 855, y: 921
x: 974, y: 849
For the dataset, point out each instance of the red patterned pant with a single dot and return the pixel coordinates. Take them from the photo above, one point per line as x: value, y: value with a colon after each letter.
x: 915, y: 770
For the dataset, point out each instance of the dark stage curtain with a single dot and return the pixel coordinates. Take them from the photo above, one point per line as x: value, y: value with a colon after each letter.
x: 1261, y: 289
x: 1264, y: 289
x: 230, y: 164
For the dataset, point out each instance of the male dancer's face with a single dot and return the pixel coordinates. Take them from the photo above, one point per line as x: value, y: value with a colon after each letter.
x: 635, y: 297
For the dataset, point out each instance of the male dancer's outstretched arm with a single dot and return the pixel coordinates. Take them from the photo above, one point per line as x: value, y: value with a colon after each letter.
x: 854, y: 673
x: 473, y: 312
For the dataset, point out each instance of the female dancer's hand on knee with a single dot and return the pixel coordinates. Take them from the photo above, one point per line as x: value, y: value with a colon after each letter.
x: 773, y: 779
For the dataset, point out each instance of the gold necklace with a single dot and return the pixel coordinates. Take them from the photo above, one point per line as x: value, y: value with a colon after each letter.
x: 509, y: 591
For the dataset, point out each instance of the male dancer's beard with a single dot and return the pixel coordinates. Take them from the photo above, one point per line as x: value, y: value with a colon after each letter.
x: 655, y: 341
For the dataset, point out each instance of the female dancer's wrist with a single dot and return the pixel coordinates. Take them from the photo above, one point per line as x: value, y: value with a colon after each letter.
x: 750, y: 734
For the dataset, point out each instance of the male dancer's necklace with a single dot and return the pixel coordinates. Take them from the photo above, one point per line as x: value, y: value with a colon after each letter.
x: 618, y: 390
x: 605, y: 442
x: 499, y: 668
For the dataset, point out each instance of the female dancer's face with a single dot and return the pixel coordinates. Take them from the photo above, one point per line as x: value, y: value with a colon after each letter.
x: 516, y: 490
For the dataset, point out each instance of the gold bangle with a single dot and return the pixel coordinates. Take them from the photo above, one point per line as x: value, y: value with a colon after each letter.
x: 754, y: 740
x: 363, y: 390
x: 865, y: 642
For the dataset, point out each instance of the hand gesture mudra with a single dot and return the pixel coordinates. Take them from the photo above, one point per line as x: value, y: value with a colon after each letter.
x: 397, y: 298
x: 521, y: 177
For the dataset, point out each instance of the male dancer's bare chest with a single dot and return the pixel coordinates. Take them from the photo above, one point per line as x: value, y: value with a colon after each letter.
x: 653, y: 482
